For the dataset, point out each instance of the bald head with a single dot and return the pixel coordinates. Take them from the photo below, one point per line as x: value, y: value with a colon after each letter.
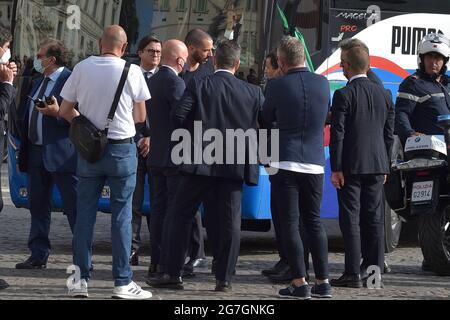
x: 174, y: 54
x: 113, y: 41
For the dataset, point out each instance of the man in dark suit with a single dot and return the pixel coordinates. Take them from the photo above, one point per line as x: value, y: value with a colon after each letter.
x: 46, y: 153
x: 166, y: 88
x: 361, y: 142
x: 297, y: 187
x: 7, y: 93
x: 213, y: 105
x: 199, y: 65
x: 149, y: 51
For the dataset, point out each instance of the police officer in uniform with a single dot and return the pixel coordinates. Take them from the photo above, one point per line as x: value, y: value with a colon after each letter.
x: 424, y: 96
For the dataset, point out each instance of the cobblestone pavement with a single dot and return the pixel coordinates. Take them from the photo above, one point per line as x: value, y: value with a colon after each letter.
x: 406, y: 281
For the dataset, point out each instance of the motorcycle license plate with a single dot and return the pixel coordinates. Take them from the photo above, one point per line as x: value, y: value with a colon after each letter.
x: 422, y: 191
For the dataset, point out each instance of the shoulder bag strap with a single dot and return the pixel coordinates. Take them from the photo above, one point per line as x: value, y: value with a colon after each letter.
x: 115, y: 103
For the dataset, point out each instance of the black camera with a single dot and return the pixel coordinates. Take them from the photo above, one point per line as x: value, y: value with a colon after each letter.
x: 39, y: 103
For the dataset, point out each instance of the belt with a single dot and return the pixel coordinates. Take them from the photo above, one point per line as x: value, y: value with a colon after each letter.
x: 124, y: 141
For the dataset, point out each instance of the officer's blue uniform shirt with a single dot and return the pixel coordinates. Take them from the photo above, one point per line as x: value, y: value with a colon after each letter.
x: 421, y: 99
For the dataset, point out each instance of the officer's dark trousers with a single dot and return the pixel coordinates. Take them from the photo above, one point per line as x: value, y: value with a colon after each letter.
x: 298, y: 198
x: 164, y: 183
x: 190, y: 193
x: 361, y: 218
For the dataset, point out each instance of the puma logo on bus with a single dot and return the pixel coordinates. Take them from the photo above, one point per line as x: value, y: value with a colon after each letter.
x: 406, y: 39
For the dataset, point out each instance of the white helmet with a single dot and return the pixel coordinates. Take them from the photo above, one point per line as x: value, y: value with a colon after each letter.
x: 434, y: 42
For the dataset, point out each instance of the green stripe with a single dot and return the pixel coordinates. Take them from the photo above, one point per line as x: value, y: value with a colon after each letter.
x: 297, y: 34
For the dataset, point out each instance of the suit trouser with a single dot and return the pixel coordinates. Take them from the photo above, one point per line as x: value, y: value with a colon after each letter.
x: 164, y: 183
x: 197, y: 244
x: 138, y: 199
x: 212, y: 228
x: 40, y: 190
x: 190, y: 193
x: 361, y: 211
x: 298, y: 198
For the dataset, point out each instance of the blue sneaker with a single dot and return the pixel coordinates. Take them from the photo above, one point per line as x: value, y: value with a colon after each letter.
x: 294, y: 292
x: 321, y: 291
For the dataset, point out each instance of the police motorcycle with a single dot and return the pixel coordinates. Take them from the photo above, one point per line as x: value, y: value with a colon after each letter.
x: 420, y: 189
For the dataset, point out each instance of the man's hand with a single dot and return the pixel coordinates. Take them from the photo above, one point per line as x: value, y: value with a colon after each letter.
x: 144, y: 147
x: 13, y: 67
x: 417, y: 134
x: 337, y: 179
x: 6, y: 74
x: 50, y: 110
x: 385, y: 179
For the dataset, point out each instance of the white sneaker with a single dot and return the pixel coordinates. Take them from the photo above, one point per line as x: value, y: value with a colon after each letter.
x: 131, y: 292
x: 79, y: 290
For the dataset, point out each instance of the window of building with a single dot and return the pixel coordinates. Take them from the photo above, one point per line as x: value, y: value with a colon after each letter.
x: 201, y: 6
x: 181, y: 5
x: 165, y: 5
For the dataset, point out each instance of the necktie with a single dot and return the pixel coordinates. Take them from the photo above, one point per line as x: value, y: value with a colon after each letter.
x: 148, y: 75
x: 33, y: 130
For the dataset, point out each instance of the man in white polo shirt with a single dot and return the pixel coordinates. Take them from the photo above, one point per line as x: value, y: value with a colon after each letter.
x: 92, y: 85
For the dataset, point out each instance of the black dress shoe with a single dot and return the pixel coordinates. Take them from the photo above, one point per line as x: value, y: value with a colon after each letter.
x: 31, y: 264
x: 134, y: 258
x: 275, y: 269
x: 3, y: 284
x: 348, y: 281
x: 223, y: 286
x: 167, y: 282
x: 283, y: 276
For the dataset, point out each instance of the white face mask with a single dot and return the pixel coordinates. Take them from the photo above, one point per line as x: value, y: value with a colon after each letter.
x: 5, y: 57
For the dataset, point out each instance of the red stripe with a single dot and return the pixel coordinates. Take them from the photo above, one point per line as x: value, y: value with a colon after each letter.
x: 380, y: 63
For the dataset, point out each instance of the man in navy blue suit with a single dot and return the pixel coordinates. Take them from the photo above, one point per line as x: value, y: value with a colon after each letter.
x: 360, y: 148
x: 166, y: 88
x: 46, y: 153
x: 214, y: 101
x: 299, y: 102
x: 149, y: 51
x: 199, y: 65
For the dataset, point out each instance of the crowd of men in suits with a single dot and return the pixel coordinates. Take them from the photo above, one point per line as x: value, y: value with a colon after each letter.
x: 176, y: 85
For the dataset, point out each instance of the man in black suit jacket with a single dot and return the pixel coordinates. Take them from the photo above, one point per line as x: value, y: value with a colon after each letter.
x: 166, y: 88
x: 149, y: 51
x: 7, y: 94
x: 217, y: 103
x: 199, y: 65
x: 361, y: 142
x: 297, y: 187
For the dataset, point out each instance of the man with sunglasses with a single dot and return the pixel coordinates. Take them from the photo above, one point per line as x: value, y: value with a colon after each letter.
x: 149, y: 51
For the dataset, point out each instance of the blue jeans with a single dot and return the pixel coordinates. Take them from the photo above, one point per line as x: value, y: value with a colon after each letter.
x: 117, y: 166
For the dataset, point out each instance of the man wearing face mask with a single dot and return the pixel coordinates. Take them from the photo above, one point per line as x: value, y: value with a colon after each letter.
x: 46, y: 153
x: 7, y: 94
